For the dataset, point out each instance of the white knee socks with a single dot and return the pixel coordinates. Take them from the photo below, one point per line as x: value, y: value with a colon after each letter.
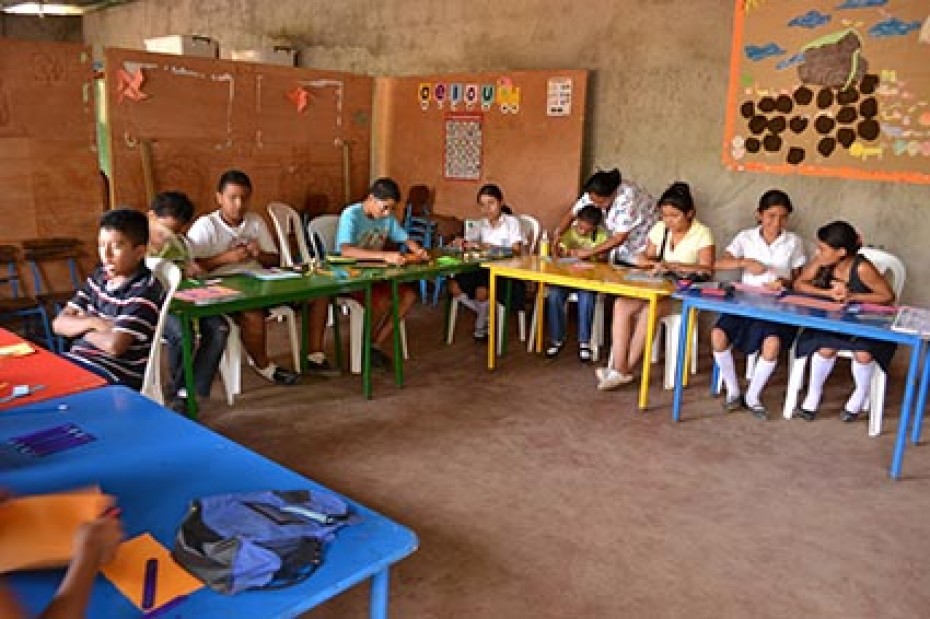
x: 820, y: 370
x: 727, y: 368
x: 862, y: 376
x: 760, y: 376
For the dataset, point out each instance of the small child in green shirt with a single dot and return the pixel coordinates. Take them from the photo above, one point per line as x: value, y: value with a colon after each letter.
x: 585, y: 233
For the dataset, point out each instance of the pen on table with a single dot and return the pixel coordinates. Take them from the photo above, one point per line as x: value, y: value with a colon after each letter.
x: 49, y: 436
x: 150, y: 584
x: 55, y: 431
x: 165, y: 608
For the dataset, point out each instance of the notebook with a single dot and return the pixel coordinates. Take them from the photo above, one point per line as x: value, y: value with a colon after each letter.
x: 912, y: 320
x: 207, y: 294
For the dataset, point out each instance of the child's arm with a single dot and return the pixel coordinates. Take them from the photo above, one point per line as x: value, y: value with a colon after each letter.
x: 565, y: 223
x: 235, y: 255
x: 97, y: 330
x: 805, y: 281
x: 352, y: 251
x: 704, y: 264
x: 881, y: 289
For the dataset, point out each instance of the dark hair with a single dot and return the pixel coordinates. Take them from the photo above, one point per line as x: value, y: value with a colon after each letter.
x: 840, y: 235
x: 234, y: 177
x: 678, y: 195
x: 132, y: 223
x: 774, y: 197
x: 385, y: 189
x: 173, y: 204
x: 590, y: 214
x: 603, y: 183
x: 491, y: 190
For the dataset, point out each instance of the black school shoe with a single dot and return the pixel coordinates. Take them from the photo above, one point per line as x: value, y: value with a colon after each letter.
x: 849, y: 416
x: 585, y: 354
x: 553, y: 349
x: 323, y: 369
x: 380, y: 360
x: 284, y: 377
x: 758, y: 411
x: 805, y: 414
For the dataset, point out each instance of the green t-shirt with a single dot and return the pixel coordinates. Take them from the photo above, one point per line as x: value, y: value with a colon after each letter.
x: 572, y: 240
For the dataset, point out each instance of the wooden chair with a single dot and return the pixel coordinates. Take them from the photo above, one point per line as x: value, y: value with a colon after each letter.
x: 13, y: 303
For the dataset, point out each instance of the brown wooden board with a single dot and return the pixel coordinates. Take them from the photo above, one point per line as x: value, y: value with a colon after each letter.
x: 200, y: 117
x: 526, y: 148
x: 49, y: 175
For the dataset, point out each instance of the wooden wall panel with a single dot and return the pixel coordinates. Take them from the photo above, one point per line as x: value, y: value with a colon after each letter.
x: 49, y: 175
x: 283, y: 126
x: 534, y: 157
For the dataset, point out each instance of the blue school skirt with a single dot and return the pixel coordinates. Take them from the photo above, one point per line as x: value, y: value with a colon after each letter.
x: 747, y: 334
x: 812, y: 340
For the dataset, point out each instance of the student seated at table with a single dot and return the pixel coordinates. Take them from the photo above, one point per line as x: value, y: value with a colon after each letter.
x: 629, y: 213
x: 840, y: 273
x: 95, y: 545
x: 364, y: 229
x: 678, y: 244
x: 584, y: 234
x: 769, y: 256
x: 171, y: 212
x: 114, y: 314
x: 499, y: 228
x: 233, y: 240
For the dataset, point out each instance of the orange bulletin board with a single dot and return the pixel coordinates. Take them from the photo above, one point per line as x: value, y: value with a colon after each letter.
x: 830, y: 88
x: 49, y: 177
x: 178, y: 122
x: 522, y: 130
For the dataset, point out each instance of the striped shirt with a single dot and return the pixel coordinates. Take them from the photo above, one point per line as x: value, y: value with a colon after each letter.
x: 133, y: 308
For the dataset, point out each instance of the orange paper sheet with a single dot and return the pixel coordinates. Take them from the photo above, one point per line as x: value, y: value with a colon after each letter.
x: 127, y: 572
x: 38, y: 531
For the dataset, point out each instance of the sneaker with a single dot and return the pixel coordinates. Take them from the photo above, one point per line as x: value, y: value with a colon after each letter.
x: 614, y: 379
x: 805, y: 414
x: 380, y: 360
x: 553, y: 350
x: 601, y: 373
x: 849, y: 416
x: 758, y: 410
x: 323, y: 369
x: 731, y: 404
x: 480, y: 335
x: 284, y: 377
x: 585, y: 354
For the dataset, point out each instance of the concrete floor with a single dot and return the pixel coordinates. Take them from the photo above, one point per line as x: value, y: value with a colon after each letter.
x: 534, y: 495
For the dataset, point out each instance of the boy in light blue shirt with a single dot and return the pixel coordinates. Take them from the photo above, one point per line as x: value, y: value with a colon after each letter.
x: 363, y: 230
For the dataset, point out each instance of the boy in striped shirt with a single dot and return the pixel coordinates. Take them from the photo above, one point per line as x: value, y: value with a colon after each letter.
x: 114, y: 314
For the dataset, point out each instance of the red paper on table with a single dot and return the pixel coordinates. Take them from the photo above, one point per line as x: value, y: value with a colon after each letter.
x: 750, y: 289
x: 822, y: 304
x: 58, y: 375
x: 875, y: 308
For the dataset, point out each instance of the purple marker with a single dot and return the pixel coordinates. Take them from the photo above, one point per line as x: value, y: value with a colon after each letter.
x: 150, y: 584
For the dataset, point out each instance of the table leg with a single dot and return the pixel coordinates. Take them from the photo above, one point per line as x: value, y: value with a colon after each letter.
x: 687, y: 315
x: 398, y: 352
x: 492, y: 318
x: 906, y: 406
x: 366, y: 345
x: 647, y: 353
x: 508, y: 286
x: 692, y: 325
x: 379, y: 595
x: 304, y: 329
x: 539, y: 312
x: 187, y: 356
x: 921, y: 400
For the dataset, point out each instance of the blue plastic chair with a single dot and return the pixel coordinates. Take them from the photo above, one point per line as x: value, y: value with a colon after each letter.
x: 422, y: 229
x: 41, y: 253
x: 15, y: 304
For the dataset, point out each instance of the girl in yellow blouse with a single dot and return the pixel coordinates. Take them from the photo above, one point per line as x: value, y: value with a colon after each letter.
x: 678, y: 243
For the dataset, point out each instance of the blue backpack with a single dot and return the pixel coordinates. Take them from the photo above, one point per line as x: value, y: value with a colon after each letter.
x: 253, y: 540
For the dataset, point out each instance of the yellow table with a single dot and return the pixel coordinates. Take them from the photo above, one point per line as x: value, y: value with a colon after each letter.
x: 599, y: 278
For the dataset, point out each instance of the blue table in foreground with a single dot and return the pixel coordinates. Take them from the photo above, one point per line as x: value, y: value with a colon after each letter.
x: 763, y: 307
x: 155, y: 462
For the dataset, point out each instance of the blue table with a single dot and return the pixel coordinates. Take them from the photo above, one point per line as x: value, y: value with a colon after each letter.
x: 764, y: 307
x: 155, y: 461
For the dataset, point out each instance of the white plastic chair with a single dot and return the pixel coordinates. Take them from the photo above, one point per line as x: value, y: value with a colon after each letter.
x: 322, y: 232
x: 170, y: 276
x: 285, y: 219
x: 888, y: 265
x: 671, y: 325
x: 530, y: 228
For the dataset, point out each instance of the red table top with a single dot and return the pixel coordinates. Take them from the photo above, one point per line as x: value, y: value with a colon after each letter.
x: 60, y: 376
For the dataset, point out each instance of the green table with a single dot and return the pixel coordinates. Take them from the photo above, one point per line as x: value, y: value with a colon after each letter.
x: 257, y: 294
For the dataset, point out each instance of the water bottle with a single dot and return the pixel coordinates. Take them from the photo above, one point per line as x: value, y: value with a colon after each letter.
x: 544, y: 245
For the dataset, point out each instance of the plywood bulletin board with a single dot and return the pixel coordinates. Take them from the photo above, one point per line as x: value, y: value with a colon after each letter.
x: 294, y: 131
x: 49, y: 177
x: 520, y: 129
x: 831, y: 88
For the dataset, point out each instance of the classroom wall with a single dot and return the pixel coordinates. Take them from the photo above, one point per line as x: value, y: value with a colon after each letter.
x: 65, y: 29
x: 656, y: 95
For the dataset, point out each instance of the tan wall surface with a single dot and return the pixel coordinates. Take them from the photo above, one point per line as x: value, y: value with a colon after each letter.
x: 656, y: 95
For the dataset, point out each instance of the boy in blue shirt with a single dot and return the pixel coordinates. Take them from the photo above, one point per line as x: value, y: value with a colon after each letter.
x: 364, y: 228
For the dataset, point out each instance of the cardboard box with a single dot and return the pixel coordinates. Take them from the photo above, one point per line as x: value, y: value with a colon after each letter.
x: 184, y: 45
x: 279, y: 55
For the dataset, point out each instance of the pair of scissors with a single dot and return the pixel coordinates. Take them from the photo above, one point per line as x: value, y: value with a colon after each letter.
x: 21, y: 391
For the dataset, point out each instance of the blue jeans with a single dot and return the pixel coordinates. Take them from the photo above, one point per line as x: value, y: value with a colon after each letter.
x: 207, y: 353
x: 555, y: 311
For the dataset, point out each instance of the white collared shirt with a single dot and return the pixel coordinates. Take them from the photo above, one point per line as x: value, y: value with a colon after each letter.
x: 211, y: 235
x: 785, y: 254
